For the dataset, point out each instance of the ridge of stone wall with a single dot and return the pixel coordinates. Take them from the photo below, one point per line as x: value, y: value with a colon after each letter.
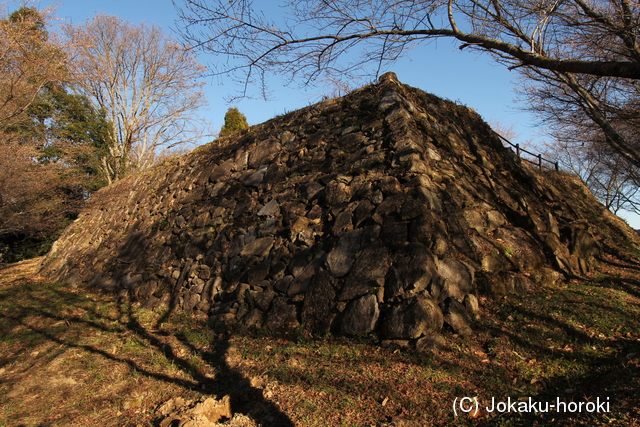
x: 386, y: 211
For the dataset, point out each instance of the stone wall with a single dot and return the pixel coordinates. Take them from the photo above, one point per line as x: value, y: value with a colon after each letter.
x: 387, y: 211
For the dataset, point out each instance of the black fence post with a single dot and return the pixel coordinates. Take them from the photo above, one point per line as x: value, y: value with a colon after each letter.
x: 539, y: 156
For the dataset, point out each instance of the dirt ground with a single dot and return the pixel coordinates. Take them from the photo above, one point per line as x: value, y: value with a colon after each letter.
x: 71, y: 357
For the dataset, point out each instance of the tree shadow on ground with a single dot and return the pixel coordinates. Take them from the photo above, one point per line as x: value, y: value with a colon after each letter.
x: 49, y: 318
x: 245, y: 398
x: 582, y: 346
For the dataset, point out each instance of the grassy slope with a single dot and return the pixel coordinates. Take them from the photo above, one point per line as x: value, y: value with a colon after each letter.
x: 73, y: 358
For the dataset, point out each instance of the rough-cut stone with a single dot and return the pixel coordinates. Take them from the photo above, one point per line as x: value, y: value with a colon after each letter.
x: 520, y: 248
x: 311, y: 189
x: 394, y: 233
x: 282, y: 317
x: 457, y: 317
x: 431, y: 344
x: 145, y: 290
x: 318, y: 303
x: 256, y: 177
x: 343, y: 223
x: 301, y: 280
x: 223, y: 171
x: 204, y: 272
x: 367, y: 273
x: 360, y: 316
x: 270, y: 209
x: 259, y: 247
x: 258, y: 272
x: 457, y: 277
x: 521, y: 284
x: 390, y: 205
x: 388, y: 198
x: 337, y: 192
x: 413, y: 270
x: 390, y: 186
x: 413, y: 318
x: 270, y: 227
x: 301, y: 224
x: 341, y: 258
x: 190, y: 301
x: 470, y: 302
x: 475, y: 220
x: 253, y: 319
x: 494, y: 220
x: 412, y: 208
x: 264, y: 153
x: 390, y: 99
x: 362, y: 212
x: 262, y: 299
x: 583, y: 244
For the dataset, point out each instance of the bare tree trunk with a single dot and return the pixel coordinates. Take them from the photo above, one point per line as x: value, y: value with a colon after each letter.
x: 147, y: 84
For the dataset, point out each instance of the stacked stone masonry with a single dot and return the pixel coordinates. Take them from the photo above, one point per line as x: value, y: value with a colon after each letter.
x: 387, y: 211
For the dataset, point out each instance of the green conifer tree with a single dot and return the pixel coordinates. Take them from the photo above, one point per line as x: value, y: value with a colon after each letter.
x: 234, y: 121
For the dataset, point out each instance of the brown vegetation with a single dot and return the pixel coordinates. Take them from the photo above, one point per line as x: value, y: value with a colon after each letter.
x: 68, y: 357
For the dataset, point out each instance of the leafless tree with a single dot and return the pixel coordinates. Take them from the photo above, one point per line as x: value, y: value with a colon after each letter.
x: 313, y: 35
x: 594, y: 123
x: 613, y: 180
x: 147, y: 84
x: 315, y: 40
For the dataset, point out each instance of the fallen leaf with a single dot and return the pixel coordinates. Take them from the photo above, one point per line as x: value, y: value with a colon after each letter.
x: 540, y: 382
x: 477, y: 414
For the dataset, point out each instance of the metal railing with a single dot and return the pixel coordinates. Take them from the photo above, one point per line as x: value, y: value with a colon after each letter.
x: 539, y: 158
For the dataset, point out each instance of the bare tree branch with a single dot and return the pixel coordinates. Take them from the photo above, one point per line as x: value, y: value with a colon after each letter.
x: 579, y: 53
x: 148, y: 85
x: 313, y: 36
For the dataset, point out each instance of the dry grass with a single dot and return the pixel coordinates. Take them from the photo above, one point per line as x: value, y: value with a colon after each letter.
x: 73, y: 358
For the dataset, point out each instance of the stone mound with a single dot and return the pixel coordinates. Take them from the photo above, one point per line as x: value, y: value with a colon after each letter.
x: 386, y: 211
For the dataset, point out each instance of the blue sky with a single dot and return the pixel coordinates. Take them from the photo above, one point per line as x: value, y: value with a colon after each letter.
x: 469, y: 78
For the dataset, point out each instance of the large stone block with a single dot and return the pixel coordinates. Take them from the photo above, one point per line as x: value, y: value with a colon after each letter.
x: 413, y: 269
x: 265, y: 152
x: 282, y: 317
x: 340, y: 259
x: 367, y: 273
x: 361, y: 316
x: 457, y: 277
x: 318, y: 303
x: 457, y: 317
x: 413, y: 318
